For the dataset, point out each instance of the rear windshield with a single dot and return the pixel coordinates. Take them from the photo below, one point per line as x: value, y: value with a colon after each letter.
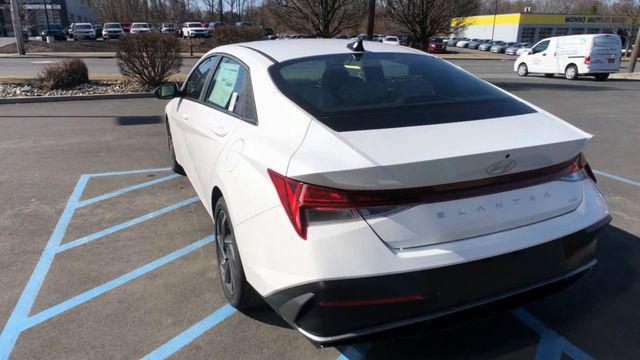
x: 112, y: 26
x: 607, y: 42
x: 140, y: 26
x: 387, y: 90
x: 84, y: 27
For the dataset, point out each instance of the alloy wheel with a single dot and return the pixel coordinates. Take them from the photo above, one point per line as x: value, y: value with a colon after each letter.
x: 225, y: 252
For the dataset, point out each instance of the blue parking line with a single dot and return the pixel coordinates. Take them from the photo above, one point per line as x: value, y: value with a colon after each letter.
x: 551, y: 345
x: 112, y: 284
x: 355, y: 352
x: 125, y: 190
x: 129, y: 172
x: 124, y: 225
x: 616, y: 177
x: 186, y: 337
x: 14, y: 325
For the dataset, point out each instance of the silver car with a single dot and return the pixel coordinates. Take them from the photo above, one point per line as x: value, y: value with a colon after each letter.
x: 513, y: 50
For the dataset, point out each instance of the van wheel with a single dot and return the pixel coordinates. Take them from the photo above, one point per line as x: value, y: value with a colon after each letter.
x: 549, y: 75
x: 601, y: 77
x: 238, y: 292
x: 523, y: 70
x: 571, y: 72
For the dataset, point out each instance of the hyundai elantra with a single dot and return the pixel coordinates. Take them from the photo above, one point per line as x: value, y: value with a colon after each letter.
x: 357, y: 186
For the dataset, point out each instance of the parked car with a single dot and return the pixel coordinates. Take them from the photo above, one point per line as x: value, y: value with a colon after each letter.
x: 513, y: 49
x: 126, y: 26
x: 487, y: 45
x: 112, y: 30
x: 341, y: 36
x: 194, y: 30
x: 167, y: 28
x: 140, y: 28
x: 436, y: 45
x: 391, y: 40
x: 496, y: 44
x: 470, y: 41
x: 595, y: 55
x: 463, y: 43
x: 452, y: 42
x: 524, y: 49
x: 267, y: 33
x: 473, y: 44
x: 500, y: 48
x: 214, y: 25
x: 244, y: 23
x: 322, y: 208
x: 82, y: 31
x: 54, y: 30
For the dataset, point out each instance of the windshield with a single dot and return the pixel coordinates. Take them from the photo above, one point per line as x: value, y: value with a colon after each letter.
x: 112, y: 26
x: 194, y: 25
x: 84, y: 27
x: 385, y: 90
x: 392, y: 38
x: 140, y: 26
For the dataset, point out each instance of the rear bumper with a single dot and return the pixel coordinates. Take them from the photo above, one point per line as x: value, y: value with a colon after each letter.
x: 339, y: 310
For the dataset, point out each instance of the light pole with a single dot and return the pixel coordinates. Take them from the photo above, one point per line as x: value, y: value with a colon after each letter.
x: 17, y: 28
x: 495, y: 13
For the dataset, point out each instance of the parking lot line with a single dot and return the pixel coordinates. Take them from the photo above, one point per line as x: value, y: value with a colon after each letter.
x: 112, y: 284
x: 552, y: 345
x: 124, y: 225
x: 125, y: 190
x: 186, y: 337
x: 616, y: 177
x: 129, y: 172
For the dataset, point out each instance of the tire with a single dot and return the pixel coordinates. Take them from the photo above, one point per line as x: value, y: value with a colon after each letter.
x: 175, y: 166
x: 238, y: 292
x: 571, y: 72
x: 549, y: 75
x: 523, y: 70
x: 601, y: 77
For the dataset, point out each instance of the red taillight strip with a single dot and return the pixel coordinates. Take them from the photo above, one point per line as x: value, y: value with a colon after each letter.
x: 296, y: 196
x: 381, y: 301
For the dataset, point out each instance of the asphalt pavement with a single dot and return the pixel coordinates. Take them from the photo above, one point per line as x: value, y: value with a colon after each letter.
x: 104, y: 254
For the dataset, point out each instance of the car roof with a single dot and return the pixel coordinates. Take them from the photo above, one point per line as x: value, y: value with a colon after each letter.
x: 281, y: 50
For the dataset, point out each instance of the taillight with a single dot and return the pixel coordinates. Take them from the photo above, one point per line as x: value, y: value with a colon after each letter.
x: 587, y: 59
x: 578, y: 170
x: 302, y: 201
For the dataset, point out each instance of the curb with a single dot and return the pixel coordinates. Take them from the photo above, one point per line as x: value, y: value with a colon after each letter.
x: 40, y: 99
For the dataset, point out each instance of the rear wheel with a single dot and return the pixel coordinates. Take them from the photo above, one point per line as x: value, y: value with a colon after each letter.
x: 175, y: 166
x: 601, y: 77
x: 523, y: 70
x: 571, y: 72
x: 238, y: 292
x: 549, y: 75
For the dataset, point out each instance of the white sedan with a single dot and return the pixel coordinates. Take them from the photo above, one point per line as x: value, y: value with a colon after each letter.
x: 194, y: 29
x: 391, y: 40
x: 357, y: 187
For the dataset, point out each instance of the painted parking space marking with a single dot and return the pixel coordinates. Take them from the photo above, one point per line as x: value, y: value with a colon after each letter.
x: 19, y: 319
x: 616, y: 177
x: 186, y: 337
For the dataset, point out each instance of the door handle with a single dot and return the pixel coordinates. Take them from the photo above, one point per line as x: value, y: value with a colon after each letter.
x: 220, y: 131
x: 544, y: 54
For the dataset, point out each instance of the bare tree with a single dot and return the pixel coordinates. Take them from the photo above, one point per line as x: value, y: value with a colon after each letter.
x: 325, y: 18
x: 628, y: 12
x: 424, y: 18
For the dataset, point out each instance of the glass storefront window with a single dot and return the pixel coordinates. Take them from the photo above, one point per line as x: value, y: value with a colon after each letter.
x: 562, y: 31
x: 545, y: 33
x: 528, y: 34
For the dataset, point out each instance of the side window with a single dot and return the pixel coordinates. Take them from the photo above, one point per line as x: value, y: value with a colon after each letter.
x: 230, y: 89
x: 541, y: 47
x: 195, y: 82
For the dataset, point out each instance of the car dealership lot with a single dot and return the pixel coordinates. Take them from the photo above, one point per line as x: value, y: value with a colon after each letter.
x: 129, y: 288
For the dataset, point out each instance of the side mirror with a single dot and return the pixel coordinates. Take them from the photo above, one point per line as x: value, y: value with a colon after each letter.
x: 530, y: 52
x: 167, y: 91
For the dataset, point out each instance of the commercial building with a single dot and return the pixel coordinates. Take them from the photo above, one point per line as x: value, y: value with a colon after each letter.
x: 529, y: 27
x: 63, y: 12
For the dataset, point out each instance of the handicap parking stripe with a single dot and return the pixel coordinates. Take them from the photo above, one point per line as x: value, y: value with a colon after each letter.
x: 186, y: 337
x: 110, y: 285
x: 125, y: 190
x: 616, y: 177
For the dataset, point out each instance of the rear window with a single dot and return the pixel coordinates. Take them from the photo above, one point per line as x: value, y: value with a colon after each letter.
x: 84, y: 27
x: 387, y: 90
x: 606, y: 42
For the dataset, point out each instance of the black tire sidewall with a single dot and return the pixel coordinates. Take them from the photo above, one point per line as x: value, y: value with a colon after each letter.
x: 238, y: 278
x: 566, y: 72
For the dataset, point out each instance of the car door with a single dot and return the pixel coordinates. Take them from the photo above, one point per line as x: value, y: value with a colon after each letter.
x: 185, y: 107
x: 226, y: 102
x: 536, y: 60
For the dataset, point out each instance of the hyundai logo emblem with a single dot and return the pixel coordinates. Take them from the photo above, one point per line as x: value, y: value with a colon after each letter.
x: 501, y: 167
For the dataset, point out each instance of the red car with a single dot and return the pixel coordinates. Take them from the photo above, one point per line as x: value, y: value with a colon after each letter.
x: 436, y: 45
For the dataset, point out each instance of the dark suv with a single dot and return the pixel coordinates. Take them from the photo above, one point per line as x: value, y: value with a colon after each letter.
x: 54, y: 30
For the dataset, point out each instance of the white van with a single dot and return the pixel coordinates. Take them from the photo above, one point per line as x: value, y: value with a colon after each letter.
x: 595, y: 55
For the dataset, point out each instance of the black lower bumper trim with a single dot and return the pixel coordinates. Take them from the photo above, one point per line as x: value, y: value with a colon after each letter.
x: 335, y: 310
